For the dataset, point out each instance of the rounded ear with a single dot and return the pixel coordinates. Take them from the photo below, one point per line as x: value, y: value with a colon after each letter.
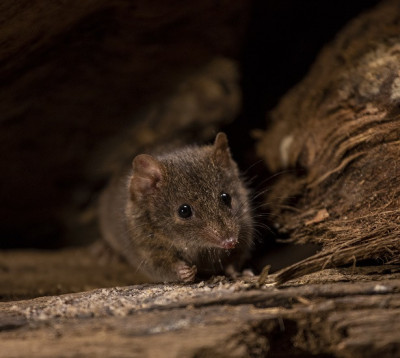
x: 221, y: 154
x: 146, y: 177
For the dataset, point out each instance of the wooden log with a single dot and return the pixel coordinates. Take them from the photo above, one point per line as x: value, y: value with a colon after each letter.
x: 334, y: 143
x: 340, y: 312
x: 336, y: 312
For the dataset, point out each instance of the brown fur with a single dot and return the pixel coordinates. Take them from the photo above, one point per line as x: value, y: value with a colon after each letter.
x: 139, y: 214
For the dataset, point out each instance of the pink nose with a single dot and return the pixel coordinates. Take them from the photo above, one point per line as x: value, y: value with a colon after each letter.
x: 229, y: 243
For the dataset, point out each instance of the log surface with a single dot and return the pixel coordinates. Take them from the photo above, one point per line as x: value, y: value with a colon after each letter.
x: 352, y: 312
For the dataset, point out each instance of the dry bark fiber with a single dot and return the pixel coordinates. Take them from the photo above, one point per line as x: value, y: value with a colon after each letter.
x: 335, y: 143
x: 326, y: 314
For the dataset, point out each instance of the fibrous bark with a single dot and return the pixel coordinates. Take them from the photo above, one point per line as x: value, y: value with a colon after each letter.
x: 335, y: 143
x: 334, y: 313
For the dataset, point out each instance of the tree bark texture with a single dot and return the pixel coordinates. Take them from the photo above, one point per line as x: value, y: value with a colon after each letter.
x: 334, y: 140
x: 334, y: 145
x: 353, y: 312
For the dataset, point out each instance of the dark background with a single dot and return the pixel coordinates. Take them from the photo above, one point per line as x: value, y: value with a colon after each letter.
x: 281, y: 42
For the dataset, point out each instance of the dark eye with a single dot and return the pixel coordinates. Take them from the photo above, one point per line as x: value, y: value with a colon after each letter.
x: 185, y: 211
x: 226, y: 199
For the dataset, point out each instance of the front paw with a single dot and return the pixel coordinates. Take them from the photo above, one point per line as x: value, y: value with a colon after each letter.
x: 231, y: 272
x: 185, y: 273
